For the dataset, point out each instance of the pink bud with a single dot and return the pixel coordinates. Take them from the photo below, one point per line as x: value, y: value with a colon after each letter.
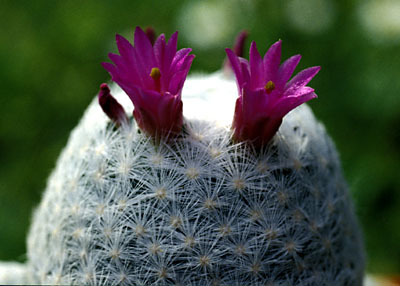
x: 110, y: 105
x: 238, y: 48
x: 151, y: 34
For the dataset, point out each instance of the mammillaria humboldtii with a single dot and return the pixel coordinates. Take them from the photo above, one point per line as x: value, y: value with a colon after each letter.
x: 197, y: 208
x: 265, y: 95
x: 153, y: 78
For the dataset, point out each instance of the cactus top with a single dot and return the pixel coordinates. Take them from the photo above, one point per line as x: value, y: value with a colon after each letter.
x: 153, y: 77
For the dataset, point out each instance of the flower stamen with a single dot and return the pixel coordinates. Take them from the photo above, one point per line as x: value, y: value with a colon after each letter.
x: 269, y: 87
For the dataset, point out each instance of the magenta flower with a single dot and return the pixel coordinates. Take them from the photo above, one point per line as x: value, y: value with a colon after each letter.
x: 153, y: 78
x: 266, y: 94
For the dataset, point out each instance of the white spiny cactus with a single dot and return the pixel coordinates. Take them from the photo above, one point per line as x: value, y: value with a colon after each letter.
x: 13, y: 273
x: 198, y: 209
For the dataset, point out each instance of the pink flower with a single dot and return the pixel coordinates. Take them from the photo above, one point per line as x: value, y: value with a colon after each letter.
x: 266, y: 94
x: 153, y: 78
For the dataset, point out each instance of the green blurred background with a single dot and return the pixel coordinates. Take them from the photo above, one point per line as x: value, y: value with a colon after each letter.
x: 50, y: 55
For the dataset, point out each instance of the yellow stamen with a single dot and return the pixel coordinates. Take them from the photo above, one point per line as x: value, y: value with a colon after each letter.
x: 155, y: 73
x: 269, y: 87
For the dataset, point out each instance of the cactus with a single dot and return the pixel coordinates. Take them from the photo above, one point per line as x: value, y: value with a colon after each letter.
x: 13, y: 273
x: 198, y: 209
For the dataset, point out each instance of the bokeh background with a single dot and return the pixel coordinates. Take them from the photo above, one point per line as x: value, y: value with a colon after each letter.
x: 50, y: 55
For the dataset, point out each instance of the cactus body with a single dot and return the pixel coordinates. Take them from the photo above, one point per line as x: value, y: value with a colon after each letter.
x: 13, y: 273
x: 198, y: 209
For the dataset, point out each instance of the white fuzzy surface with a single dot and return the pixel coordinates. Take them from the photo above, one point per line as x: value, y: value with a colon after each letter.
x: 210, y: 97
x: 197, y: 210
x: 12, y: 273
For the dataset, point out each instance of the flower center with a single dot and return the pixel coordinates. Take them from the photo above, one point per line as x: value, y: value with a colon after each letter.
x: 269, y: 87
x: 156, y: 75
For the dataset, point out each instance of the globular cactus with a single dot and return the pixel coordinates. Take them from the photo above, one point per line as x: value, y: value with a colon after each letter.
x: 182, y: 198
x: 13, y: 273
x: 197, y: 209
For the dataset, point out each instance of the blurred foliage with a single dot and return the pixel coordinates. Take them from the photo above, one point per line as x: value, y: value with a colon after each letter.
x: 50, y: 55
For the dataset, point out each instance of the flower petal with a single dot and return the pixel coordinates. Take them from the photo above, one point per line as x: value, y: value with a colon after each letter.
x: 125, y: 48
x: 286, y: 104
x: 179, y: 59
x: 254, y: 103
x: 302, y: 78
x: 122, y: 67
x: 159, y: 51
x: 236, y: 66
x: 112, y: 70
x: 247, y: 125
x: 172, y: 46
x: 245, y: 67
x: 272, y: 60
x: 256, y: 68
x: 178, y: 77
x: 144, y: 57
x: 129, y: 64
x: 298, y: 92
x: 286, y: 70
x: 158, y: 114
x: 117, y: 60
x: 144, y: 48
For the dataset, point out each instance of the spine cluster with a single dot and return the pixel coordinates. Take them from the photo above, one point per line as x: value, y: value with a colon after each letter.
x: 198, y: 210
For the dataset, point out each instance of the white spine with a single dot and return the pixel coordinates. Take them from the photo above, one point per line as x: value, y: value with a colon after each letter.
x: 198, y: 210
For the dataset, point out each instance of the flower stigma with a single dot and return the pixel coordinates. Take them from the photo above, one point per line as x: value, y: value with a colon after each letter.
x: 156, y: 74
x: 269, y: 87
